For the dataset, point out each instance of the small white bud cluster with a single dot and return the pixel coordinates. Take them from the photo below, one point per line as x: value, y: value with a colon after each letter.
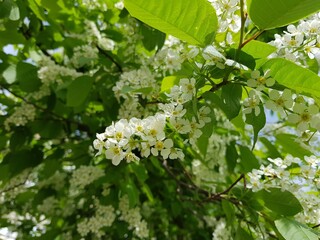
x: 84, y: 55
x: 104, y: 217
x: 133, y: 218
x: 48, y: 206
x: 132, y: 81
x: 15, y: 185
x: 51, y: 73
x: 95, y: 5
x: 21, y: 116
x: 56, y: 181
x: 84, y: 176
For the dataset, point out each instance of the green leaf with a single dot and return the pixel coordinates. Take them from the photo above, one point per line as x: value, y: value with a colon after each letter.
x: 241, y: 57
x: 132, y: 191
x: 192, y: 21
x: 152, y: 38
x: 140, y: 172
x: 292, y: 230
x: 168, y: 82
x: 242, y: 234
x: 19, y: 137
x: 8, y: 8
x: 257, y: 123
x: 48, y: 128
x: 231, y: 156
x: 78, y: 91
x: 14, y: 13
x: 5, y: 8
x: 272, y: 150
x: 10, y: 74
x: 37, y: 10
x: 259, y: 51
x: 288, y: 206
x: 231, y: 96
x: 20, y: 160
x: 248, y: 160
x: 293, y: 76
x: 291, y: 146
x: 228, y: 210
x: 27, y: 77
x: 268, y: 14
x: 203, y: 140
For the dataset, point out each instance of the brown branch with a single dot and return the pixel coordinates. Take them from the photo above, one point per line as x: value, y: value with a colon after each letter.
x: 316, y: 226
x: 106, y: 54
x: 251, y: 38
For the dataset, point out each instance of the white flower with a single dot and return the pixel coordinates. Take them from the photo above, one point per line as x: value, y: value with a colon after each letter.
x: 303, y: 115
x: 293, y: 40
x: 188, y: 88
x: 203, y: 114
x: 114, y: 152
x: 138, y: 126
x: 163, y: 147
x: 279, y: 101
x: 181, y: 125
x: 119, y: 132
x: 98, y: 145
x: 131, y: 157
x: 232, y: 63
x: 259, y: 82
x: 155, y: 127
x: 174, y: 153
x: 252, y: 103
x: 172, y: 110
x: 213, y: 57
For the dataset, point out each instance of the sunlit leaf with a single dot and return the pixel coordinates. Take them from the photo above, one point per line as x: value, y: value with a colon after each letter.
x: 192, y: 21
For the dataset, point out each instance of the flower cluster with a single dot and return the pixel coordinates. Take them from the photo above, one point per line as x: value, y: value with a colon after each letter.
x: 51, y: 73
x: 93, y: 35
x: 300, y: 42
x: 83, y: 176
x: 84, y: 55
x: 297, y: 109
x: 283, y: 172
x: 21, y: 116
x: 228, y: 17
x: 124, y: 138
x: 104, y: 216
x: 133, y: 217
x: 95, y: 5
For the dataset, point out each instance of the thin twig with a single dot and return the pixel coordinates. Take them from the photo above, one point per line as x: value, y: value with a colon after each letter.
x: 251, y: 38
x: 106, y: 54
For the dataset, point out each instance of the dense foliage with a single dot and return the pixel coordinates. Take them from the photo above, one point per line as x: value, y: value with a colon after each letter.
x: 184, y: 119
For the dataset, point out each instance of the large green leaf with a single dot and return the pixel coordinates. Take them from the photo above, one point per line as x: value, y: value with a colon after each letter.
x: 268, y: 14
x: 288, y: 206
x: 192, y: 21
x: 259, y: 51
x: 293, y: 76
x: 231, y: 96
x: 257, y: 123
x: 291, y: 146
x: 27, y: 77
x: 248, y: 161
x: 292, y: 230
x: 78, y: 91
